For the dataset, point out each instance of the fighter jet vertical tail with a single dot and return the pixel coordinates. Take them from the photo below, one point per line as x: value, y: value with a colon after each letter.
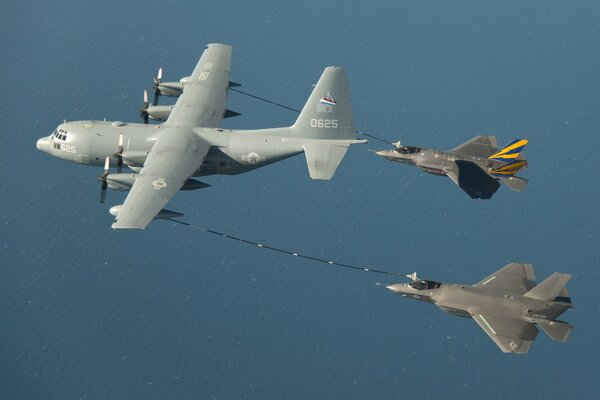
x: 327, y: 124
x: 509, y: 169
x: 511, y: 151
x: 551, y: 289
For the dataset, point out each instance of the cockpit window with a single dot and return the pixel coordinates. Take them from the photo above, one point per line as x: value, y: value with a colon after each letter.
x: 425, y: 285
x: 60, y: 134
x: 407, y: 150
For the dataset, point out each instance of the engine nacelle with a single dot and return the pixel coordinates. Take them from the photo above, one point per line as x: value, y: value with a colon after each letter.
x: 120, y: 181
x: 159, y: 113
x: 171, y: 89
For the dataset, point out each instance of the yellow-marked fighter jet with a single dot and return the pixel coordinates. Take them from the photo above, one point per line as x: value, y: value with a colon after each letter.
x: 477, y: 166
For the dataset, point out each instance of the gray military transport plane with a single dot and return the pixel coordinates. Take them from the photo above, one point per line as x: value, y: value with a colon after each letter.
x: 476, y: 166
x: 165, y: 157
x: 507, y: 305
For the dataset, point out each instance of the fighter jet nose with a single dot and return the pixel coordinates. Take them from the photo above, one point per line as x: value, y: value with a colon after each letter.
x: 43, y: 144
x: 395, y: 288
x: 382, y: 154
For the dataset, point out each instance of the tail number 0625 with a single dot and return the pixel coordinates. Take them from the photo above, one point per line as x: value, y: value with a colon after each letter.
x: 323, y: 123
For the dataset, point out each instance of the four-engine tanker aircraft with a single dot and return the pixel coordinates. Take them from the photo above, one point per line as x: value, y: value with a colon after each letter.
x: 476, y: 166
x: 164, y: 157
x: 507, y: 305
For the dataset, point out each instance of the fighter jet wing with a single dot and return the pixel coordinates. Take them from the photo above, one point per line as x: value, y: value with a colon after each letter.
x: 178, y: 152
x: 472, y: 179
x: 513, y: 278
x: 512, y: 335
x: 479, y: 146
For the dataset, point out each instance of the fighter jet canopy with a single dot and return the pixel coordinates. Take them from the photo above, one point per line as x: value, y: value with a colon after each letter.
x: 425, y: 285
x: 407, y: 149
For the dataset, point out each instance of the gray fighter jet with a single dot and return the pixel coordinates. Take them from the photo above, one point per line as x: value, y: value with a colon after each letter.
x: 507, y: 305
x: 165, y: 157
x: 476, y: 166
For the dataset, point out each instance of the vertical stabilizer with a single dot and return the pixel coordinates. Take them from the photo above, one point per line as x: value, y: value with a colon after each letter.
x: 550, y: 288
x: 326, y: 124
x: 511, y: 151
x: 328, y: 112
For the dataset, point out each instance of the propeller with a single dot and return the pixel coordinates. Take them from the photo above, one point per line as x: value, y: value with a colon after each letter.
x: 144, y: 110
x: 102, y: 178
x: 156, y: 86
x: 119, y: 154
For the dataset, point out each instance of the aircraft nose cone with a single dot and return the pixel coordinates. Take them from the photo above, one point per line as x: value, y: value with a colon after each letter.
x: 395, y: 288
x: 43, y: 144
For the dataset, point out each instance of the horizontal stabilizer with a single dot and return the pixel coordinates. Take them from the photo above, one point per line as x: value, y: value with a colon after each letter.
x: 550, y: 288
x: 508, y: 169
x: 515, y: 183
x: 557, y: 330
x: 323, y: 159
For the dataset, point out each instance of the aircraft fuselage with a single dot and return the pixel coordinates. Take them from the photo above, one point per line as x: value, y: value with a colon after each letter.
x: 90, y: 142
x: 457, y: 299
x: 434, y: 161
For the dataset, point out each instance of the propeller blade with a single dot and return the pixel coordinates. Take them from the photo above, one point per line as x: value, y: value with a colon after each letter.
x: 103, y: 191
x: 156, y: 86
x: 106, y: 166
x: 156, y: 96
x: 144, y: 109
x: 102, y: 178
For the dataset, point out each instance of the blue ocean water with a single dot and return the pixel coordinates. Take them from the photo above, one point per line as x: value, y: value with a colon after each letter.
x: 170, y: 312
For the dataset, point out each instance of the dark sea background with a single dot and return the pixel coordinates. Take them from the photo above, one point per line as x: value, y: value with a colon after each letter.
x: 175, y: 313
